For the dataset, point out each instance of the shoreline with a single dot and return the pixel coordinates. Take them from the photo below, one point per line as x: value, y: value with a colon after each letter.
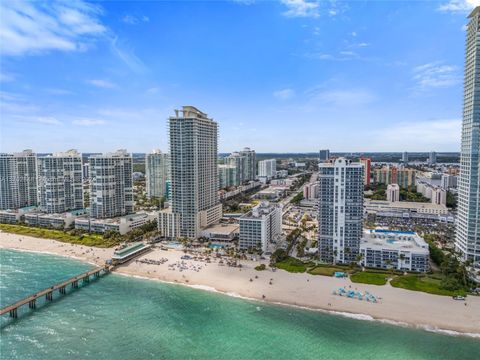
x: 416, y: 310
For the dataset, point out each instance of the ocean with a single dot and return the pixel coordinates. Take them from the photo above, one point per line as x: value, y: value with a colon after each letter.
x: 119, y: 317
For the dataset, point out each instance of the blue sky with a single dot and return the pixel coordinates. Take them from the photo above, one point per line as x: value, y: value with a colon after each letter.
x: 278, y: 76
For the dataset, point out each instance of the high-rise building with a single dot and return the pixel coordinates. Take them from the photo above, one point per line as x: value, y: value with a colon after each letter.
x: 194, y: 171
x: 60, y: 182
x: 227, y: 176
x: 367, y: 164
x: 239, y: 162
x: 393, y: 192
x: 324, y: 155
x: 18, y: 180
x: 267, y: 168
x: 111, y: 185
x: 405, y: 157
x: 260, y: 226
x: 404, y: 177
x: 250, y: 171
x: 449, y: 181
x: 432, y: 158
x: 340, y: 217
x: 157, y: 172
x: 467, y: 240
x: 439, y: 196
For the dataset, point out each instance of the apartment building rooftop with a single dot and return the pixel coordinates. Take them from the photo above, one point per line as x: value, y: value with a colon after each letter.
x: 380, y: 239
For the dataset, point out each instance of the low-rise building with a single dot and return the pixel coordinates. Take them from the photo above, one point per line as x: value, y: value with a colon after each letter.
x: 16, y: 215
x: 223, y: 233
x: 373, y: 206
x: 260, y: 226
x: 58, y: 221
x: 400, y: 250
x: 121, y: 225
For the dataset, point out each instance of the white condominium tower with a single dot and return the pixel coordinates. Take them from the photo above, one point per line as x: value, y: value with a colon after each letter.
x: 157, y: 172
x: 467, y: 240
x: 267, y: 168
x: 194, y: 172
x: 260, y: 226
x: 111, y: 185
x: 18, y: 180
x: 60, y: 186
x: 340, y: 220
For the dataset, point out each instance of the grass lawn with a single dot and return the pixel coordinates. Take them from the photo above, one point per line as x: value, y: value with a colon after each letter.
x: 372, y: 278
x: 423, y: 283
x: 86, y: 239
x: 291, y: 265
x: 325, y: 270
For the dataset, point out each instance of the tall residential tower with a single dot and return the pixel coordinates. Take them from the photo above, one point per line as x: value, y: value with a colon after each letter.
x: 157, y: 172
x: 111, y: 185
x: 340, y: 218
x: 467, y: 240
x: 60, y: 186
x: 18, y: 180
x: 194, y: 173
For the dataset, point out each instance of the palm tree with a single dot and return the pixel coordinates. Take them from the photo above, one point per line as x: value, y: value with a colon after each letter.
x: 359, y: 259
x: 402, y: 258
x: 389, y: 266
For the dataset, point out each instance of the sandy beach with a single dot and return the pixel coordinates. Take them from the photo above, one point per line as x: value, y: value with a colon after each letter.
x: 411, y: 308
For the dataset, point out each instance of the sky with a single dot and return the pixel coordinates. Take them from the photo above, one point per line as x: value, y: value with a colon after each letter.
x: 277, y: 76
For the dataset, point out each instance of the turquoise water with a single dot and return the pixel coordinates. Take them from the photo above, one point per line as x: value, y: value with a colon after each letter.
x: 126, y: 318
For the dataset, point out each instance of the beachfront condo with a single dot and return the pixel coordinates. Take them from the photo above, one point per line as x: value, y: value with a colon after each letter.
x: 467, y: 240
x: 60, y: 186
x: 18, y: 180
x: 111, y: 185
x: 194, y: 173
x: 340, y: 210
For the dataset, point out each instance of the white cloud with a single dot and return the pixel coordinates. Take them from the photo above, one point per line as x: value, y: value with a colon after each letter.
x: 6, y: 77
x: 284, y: 94
x: 133, y: 20
x: 342, y: 98
x: 435, y: 75
x: 459, y: 5
x: 105, y: 84
x: 301, y: 8
x: 44, y: 120
x: 88, y: 122
x: 49, y: 120
x: 127, y: 55
x: 418, y: 136
x: 34, y: 27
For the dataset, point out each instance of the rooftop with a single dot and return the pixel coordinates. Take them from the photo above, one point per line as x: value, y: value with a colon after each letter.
x: 394, y: 240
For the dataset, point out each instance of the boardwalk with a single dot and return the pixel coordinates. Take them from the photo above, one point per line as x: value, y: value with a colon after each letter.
x: 48, y: 293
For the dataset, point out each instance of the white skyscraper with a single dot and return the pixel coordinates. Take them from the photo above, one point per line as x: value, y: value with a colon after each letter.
x: 111, y: 185
x: 467, y: 240
x: 18, y: 180
x: 194, y: 172
x: 340, y: 218
x: 60, y: 186
x: 267, y: 168
x: 157, y: 172
x: 405, y: 157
